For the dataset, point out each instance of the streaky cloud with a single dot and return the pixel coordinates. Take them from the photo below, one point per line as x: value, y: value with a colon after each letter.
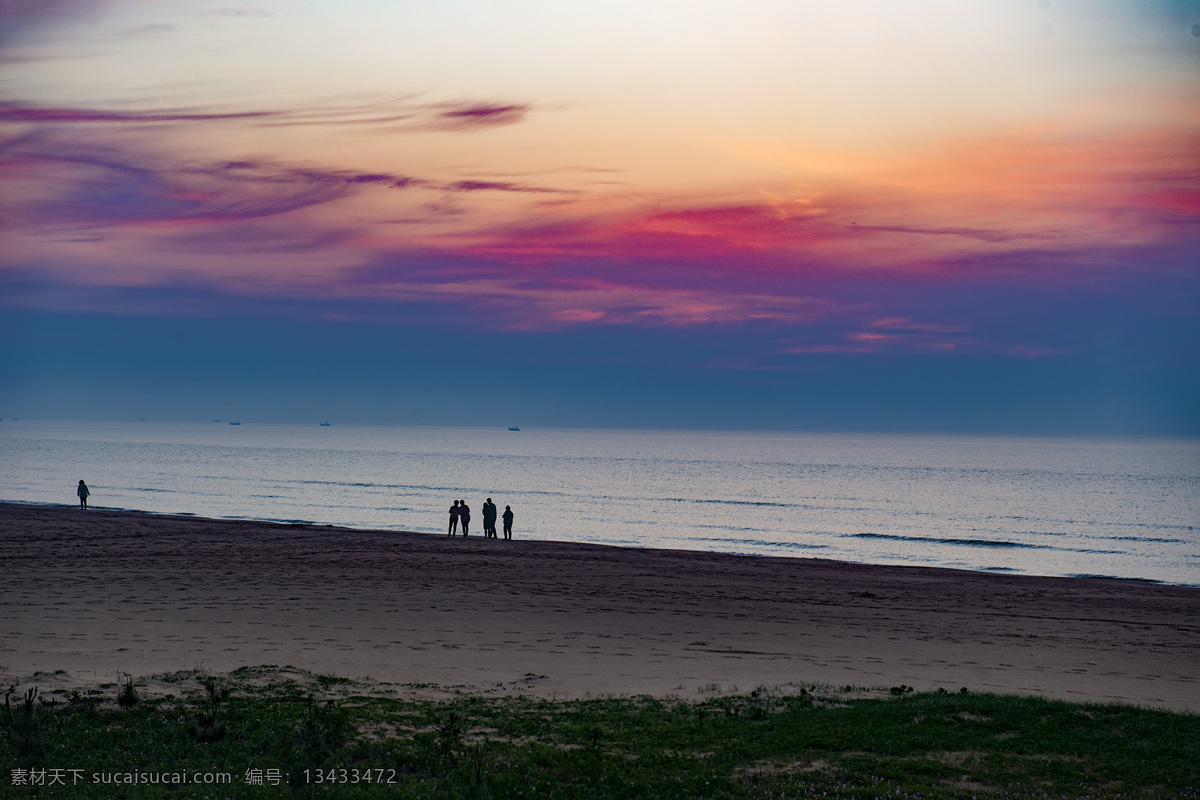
x: 498, y: 186
x: 12, y: 112
x: 108, y: 186
x: 405, y: 115
x: 477, y: 115
x: 400, y: 113
x: 966, y: 233
x: 537, y: 300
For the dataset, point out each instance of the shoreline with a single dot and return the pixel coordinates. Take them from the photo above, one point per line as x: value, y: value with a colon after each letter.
x: 101, y: 592
x: 309, y: 524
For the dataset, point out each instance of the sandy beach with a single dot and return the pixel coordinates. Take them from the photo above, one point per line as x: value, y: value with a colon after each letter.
x: 101, y: 593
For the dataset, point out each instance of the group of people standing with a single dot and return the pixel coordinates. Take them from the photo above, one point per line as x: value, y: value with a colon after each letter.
x: 460, y: 514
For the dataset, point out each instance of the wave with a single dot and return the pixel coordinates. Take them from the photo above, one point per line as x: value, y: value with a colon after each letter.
x: 1113, y: 577
x: 746, y: 503
x: 1106, y: 523
x: 996, y: 543
x: 276, y: 520
x: 1147, y: 539
x: 762, y: 543
x: 732, y: 529
x: 966, y: 542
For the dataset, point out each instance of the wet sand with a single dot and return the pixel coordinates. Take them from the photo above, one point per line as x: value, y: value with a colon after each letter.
x: 101, y: 593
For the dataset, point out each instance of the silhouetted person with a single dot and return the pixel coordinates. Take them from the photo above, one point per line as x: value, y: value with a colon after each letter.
x: 508, y: 518
x: 489, y: 519
x: 84, y: 494
x: 464, y: 515
x: 454, y: 519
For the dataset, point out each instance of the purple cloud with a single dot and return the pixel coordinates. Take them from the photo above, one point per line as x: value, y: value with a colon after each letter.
x: 98, y: 185
x: 18, y: 112
x: 978, y: 234
x: 102, y: 186
x: 496, y: 186
x: 369, y: 114
x: 401, y: 112
x: 479, y: 115
x: 376, y: 177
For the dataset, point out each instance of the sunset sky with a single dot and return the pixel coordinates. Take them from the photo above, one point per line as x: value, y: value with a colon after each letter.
x: 944, y: 215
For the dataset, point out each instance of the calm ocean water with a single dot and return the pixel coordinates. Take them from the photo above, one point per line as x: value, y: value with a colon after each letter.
x: 1128, y: 509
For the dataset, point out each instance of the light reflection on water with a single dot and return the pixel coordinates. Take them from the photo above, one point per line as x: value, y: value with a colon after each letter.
x: 1128, y: 508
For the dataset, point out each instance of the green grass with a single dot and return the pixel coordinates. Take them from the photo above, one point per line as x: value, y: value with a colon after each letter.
x: 765, y: 744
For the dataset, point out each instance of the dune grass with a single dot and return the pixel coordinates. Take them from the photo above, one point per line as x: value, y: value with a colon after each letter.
x: 279, y: 732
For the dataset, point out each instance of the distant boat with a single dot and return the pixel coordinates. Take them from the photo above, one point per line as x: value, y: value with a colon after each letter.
x: 325, y: 424
x: 235, y: 423
x: 513, y: 428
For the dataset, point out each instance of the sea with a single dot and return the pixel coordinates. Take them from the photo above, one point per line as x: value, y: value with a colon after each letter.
x: 1120, y: 508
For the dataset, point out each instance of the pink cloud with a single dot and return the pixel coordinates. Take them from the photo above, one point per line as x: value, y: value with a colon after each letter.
x: 697, y: 234
x: 571, y: 316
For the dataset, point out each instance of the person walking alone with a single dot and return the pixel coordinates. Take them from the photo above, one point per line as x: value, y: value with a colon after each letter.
x: 84, y: 493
